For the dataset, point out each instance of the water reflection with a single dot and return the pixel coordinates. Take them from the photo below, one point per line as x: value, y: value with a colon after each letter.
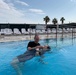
x: 47, y: 41
x: 60, y: 42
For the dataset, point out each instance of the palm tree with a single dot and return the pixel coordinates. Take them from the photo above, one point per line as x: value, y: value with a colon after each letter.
x: 46, y: 19
x: 54, y: 21
x: 62, y: 20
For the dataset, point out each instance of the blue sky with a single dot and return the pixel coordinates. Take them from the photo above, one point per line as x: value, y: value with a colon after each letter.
x: 33, y: 11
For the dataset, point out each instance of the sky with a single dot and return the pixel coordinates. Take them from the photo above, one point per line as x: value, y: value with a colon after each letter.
x: 33, y: 11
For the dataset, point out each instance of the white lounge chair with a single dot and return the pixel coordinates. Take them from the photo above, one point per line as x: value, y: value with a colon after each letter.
x: 65, y: 31
x: 59, y: 30
x: 8, y: 31
x: 70, y: 30
x: 48, y: 30
x: 30, y: 31
x: 2, y: 32
x: 53, y: 30
x: 33, y: 31
x: 16, y: 31
x: 38, y: 31
x: 24, y: 31
x: 43, y: 31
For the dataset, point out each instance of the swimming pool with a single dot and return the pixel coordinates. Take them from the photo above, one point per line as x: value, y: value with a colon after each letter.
x: 60, y: 61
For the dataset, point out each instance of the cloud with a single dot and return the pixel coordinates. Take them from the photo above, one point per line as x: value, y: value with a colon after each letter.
x: 22, y: 3
x: 8, y: 8
x: 37, y: 11
x: 3, y: 5
x: 10, y: 13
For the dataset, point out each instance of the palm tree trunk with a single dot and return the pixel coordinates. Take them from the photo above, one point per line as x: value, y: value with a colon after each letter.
x: 47, y: 31
x: 62, y: 22
x: 72, y: 33
x: 56, y: 31
x: 62, y: 33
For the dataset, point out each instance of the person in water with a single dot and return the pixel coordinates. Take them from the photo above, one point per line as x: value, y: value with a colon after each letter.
x: 33, y: 49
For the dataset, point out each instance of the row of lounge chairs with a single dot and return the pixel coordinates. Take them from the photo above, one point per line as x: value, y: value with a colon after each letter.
x: 8, y: 31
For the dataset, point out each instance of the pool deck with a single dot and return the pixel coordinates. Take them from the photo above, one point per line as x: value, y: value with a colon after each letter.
x: 10, y: 38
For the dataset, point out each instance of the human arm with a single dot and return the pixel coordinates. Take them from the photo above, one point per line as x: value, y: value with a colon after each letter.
x: 37, y: 47
x: 31, y: 48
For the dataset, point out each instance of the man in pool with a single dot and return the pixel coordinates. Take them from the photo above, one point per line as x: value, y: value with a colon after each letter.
x: 33, y: 49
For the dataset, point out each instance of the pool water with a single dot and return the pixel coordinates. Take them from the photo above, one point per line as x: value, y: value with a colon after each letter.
x: 60, y: 61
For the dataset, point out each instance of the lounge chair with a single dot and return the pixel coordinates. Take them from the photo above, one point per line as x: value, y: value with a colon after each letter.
x: 8, y: 31
x: 16, y: 31
x: 59, y: 30
x: 48, y: 30
x: 43, y: 31
x: 53, y: 30
x: 23, y: 30
x: 39, y: 31
x: 2, y: 32
x: 33, y: 31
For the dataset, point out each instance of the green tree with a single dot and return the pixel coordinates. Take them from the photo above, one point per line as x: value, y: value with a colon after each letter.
x: 62, y: 20
x: 46, y: 19
x: 54, y: 21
